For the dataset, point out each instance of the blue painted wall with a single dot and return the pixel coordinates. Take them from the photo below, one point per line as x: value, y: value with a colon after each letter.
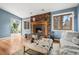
x: 57, y: 33
x: 5, y: 18
x: 78, y: 16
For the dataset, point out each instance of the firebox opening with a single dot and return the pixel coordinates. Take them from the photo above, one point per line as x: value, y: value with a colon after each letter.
x: 38, y: 28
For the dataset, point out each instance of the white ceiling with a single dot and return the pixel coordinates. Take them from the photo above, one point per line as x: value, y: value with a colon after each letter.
x: 24, y: 10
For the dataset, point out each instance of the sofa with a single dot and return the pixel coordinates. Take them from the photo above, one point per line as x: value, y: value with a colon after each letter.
x: 69, y: 43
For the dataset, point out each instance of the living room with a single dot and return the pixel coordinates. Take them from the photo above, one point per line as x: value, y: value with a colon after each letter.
x: 39, y: 29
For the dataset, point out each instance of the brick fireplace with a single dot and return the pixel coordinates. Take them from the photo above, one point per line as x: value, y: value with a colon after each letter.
x: 41, y: 22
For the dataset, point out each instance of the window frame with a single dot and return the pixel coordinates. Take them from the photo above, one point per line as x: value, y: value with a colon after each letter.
x: 63, y: 14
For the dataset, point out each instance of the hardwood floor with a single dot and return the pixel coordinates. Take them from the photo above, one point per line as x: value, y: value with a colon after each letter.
x: 56, y: 41
x: 10, y: 45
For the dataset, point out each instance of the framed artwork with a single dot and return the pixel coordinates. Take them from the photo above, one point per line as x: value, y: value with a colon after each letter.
x: 26, y: 25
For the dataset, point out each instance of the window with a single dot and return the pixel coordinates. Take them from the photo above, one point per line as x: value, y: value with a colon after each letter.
x: 62, y: 22
x: 15, y: 26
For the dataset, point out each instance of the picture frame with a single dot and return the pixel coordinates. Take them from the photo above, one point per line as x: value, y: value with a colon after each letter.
x: 26, y: 25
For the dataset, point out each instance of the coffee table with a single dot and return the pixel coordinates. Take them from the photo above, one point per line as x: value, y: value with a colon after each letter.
x: 38, y: 49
